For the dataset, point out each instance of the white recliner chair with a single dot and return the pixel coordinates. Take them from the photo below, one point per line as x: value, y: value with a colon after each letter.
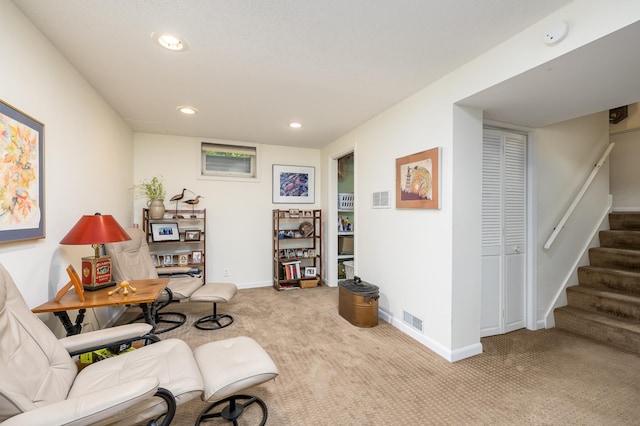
x: 40, y: 383
x: 131, y: 260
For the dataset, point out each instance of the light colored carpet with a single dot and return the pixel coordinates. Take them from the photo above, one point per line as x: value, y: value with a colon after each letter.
x: 333, y: 373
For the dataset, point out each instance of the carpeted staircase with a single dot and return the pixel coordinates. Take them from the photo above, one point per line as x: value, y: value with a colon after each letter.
x: 605, y: 305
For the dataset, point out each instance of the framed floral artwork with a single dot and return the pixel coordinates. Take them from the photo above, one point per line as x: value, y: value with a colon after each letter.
x: 22, y: 213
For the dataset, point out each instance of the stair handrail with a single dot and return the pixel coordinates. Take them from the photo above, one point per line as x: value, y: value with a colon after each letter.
x: 576, y: 200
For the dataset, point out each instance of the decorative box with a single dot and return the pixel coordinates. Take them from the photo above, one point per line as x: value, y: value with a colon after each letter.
x: 96, y: 272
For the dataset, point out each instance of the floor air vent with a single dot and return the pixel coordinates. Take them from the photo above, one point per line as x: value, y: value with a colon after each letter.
x: 414, y: 322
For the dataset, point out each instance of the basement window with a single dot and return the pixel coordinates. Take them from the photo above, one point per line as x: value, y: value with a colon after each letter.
x: 226, y: 160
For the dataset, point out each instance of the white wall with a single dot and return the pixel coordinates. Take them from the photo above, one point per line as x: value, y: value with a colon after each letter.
x: 467, y: 227
x: 423, y: 260
x: 566, y: 154
x: 88, y: 154
x: 625, y: 173
x: 408, y: 252
x: 238, y: 212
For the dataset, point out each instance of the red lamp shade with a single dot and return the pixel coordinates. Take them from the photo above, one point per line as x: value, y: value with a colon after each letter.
x: 95, y: 230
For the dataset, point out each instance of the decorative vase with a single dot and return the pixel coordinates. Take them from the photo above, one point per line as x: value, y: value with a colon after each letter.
x: 156, y: 209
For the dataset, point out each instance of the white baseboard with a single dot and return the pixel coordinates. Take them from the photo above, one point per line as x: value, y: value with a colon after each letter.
x: 446, y: 353
x: 256, y: 284
x: 619, y: 209
x: 548, y: 322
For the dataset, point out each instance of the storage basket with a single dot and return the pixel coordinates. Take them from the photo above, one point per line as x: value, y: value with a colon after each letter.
x: 308, y: 283
x: 348, y: 269
x: 345, y: 201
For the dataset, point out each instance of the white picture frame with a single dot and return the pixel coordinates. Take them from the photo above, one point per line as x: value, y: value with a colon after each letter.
x: 310, y: 272
x: 165, y: 232
x: 293, y: 184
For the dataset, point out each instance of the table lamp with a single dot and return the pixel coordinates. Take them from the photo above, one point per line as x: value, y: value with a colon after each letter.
x: 96, y: 230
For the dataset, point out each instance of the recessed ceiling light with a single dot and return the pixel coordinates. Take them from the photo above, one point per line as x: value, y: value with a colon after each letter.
x: 295, y: 125
x: 185, y: 109
x: 172, y: 42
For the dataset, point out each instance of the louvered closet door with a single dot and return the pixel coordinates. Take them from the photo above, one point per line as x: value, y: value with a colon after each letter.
x: 503, y: 232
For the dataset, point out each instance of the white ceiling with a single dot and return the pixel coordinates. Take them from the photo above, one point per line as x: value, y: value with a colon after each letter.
x: 597, y: 77
x: 253, y: 66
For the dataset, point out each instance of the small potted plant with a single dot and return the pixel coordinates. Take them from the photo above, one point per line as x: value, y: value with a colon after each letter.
x: 154, y: 191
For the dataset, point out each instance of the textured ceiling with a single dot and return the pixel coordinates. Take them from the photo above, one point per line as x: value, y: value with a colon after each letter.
x: 253, y: 65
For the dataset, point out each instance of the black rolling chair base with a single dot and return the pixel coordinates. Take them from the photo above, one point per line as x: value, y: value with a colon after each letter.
x: 234, y: 409
x: 214, y: 322
x: 176, y: 319
x: 165, y: 318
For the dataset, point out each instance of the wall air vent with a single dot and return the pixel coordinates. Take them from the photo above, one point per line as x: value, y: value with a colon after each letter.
x: 414, y: 322
x: 380, y: 200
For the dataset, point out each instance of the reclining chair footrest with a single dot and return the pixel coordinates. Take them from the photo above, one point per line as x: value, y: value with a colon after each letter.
x: 228, y: 366
x: 214, y: 293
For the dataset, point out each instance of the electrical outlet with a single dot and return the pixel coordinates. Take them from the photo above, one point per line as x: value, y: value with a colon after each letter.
x: 226, y: 272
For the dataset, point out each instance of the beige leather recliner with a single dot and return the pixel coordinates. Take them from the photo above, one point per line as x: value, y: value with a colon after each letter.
x: 40, y: 383
x: 131, y: 260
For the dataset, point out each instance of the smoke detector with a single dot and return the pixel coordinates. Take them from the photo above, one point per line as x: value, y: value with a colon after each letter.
x: 556, y: 33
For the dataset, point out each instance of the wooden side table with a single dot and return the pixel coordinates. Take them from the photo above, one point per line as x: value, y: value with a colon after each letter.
x: 146, y: 295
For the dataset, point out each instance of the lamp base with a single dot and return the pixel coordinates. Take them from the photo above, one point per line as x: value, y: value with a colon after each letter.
x: 96, y: 273
x: 94, y: 287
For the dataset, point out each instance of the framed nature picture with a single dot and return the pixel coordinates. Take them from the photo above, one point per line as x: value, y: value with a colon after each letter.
x: 165, y: 232
x: 22, y: 214
x: 418, y: 180
x: 293, y: 184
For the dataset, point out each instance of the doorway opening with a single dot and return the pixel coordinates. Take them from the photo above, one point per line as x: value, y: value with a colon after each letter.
x: 346, y: 208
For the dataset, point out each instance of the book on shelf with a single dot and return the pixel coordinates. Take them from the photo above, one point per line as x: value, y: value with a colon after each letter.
x: 292, y: 270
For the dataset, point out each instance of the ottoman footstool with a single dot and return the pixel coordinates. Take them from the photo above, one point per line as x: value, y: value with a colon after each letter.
x: 229, y: 366
x: 214, y: 293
